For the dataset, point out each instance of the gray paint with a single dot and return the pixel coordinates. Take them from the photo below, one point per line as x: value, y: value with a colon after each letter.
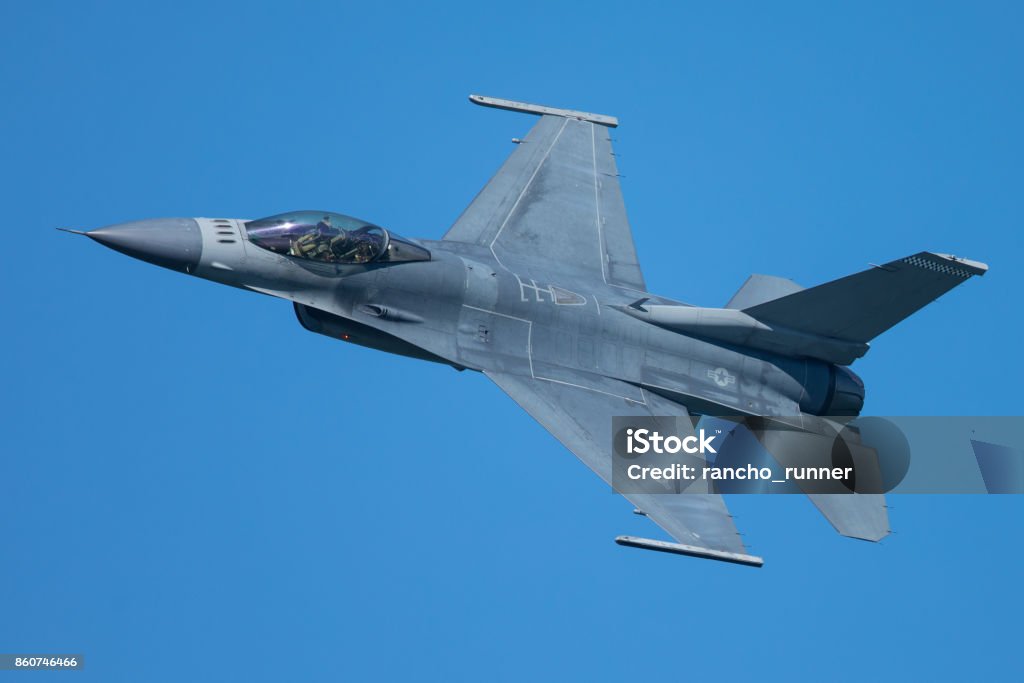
x: 174, y: 243
x: 538, y: 286
x: 692, y: 551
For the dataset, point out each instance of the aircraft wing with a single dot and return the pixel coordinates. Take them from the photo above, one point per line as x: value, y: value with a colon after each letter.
x: 556, y: 205
x: 582, y: 420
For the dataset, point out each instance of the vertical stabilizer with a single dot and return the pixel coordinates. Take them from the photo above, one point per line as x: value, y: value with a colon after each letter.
x: 858, y: 308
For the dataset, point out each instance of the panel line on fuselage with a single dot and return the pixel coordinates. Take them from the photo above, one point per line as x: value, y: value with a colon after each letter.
x: 529, y: 357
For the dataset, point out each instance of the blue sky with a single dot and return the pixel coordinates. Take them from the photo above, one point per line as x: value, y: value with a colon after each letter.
x: 193, y: 487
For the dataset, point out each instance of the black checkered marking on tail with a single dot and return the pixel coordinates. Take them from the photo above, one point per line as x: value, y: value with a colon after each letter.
x: 938, y: 266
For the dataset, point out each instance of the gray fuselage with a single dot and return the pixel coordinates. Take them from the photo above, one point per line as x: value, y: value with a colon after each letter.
x: 466, y: 308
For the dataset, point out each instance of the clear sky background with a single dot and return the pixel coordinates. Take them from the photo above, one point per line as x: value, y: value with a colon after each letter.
x: 193, y: 487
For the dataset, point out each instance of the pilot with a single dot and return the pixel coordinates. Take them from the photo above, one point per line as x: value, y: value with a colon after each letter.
x: 325, y: 229
x: 316, y: 244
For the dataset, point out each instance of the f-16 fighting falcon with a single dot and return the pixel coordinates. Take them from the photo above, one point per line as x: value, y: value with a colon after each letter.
x: 538, y: 286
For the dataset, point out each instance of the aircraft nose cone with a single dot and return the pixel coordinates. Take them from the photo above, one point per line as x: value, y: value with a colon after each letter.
x: 174, y: 243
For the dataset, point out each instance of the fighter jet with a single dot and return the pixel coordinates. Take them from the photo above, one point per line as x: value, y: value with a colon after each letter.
x: 537, y: 285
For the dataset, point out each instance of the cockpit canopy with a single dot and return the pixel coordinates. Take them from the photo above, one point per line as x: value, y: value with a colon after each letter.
x: 331, y: 238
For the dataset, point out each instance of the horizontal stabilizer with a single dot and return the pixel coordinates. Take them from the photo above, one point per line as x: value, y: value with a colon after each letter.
x: 858, y: 308
x: 855, y: 515
x: 761, y: 288
x: 737, y: 327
